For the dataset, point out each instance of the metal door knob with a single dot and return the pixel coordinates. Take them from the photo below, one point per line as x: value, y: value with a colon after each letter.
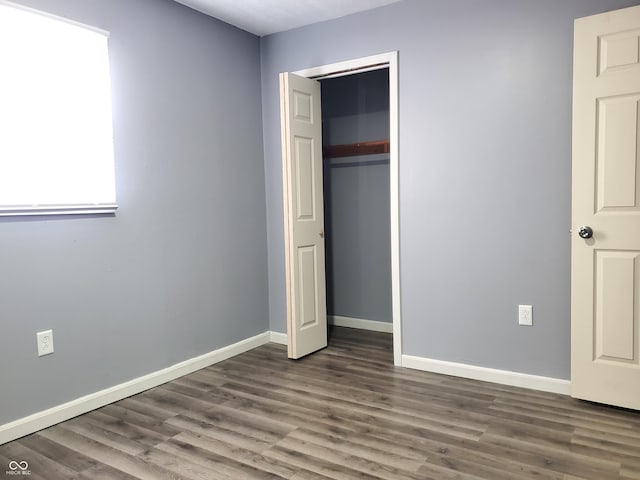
x: 585, y: 232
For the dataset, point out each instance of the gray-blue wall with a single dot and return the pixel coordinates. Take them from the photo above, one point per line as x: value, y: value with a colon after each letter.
x: 182, y: 268
x: 355, y: 108
x: 485, y: 158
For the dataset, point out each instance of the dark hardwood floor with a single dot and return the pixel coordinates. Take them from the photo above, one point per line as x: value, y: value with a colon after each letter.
x: 343, y: 413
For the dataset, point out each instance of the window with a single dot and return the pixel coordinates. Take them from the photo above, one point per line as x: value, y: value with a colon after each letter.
x: 56, y: 135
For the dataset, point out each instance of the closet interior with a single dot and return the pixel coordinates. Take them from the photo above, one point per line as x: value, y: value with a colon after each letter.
x: 355, y: 131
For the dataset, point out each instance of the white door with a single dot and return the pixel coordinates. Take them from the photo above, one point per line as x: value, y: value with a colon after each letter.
x: 304, y: 214
x: 605, y: 298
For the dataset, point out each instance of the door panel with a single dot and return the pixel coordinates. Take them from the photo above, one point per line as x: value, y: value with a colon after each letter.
x: 304, y: 214
x: 618, y: 51
x: 605, y: 303
x: 616, y: 306
x: 304, y: 179
x: 308, y: 275
x: 617, y: 159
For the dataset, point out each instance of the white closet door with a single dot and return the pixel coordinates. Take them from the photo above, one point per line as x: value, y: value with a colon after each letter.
x: 304, y: 214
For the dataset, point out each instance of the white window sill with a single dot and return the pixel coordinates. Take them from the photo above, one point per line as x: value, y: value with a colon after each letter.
x: 18, y: 211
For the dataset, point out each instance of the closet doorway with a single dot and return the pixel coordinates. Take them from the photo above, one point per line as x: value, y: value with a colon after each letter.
x: 357, y: 219
x: 360, y: 166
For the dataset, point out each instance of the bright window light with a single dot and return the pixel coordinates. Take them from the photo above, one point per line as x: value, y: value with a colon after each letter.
x: 56, y: 136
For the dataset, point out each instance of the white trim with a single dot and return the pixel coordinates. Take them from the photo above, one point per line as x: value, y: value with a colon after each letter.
x: 394, y: 179
x: 90, y: 209
x: 277, y: 337
x: 8, y: 3
x: 350, y: 67
x: 362, y: 324
x: 52, y: 416
x: 503, y: 377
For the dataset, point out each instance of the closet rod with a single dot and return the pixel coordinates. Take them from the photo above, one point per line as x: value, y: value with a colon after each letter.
x: 352, y: 149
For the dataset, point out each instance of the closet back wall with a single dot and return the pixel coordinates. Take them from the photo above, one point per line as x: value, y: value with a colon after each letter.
x: 355, y: 108
x: 181, y: 269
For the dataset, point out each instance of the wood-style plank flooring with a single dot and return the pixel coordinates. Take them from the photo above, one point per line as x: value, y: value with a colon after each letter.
x: 344, y: 413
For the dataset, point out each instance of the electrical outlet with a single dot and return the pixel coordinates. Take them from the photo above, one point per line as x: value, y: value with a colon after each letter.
x: 525, y: 315
x: 45, y: 342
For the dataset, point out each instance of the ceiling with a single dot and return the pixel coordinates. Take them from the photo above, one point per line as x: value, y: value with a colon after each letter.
x: 262, y: 17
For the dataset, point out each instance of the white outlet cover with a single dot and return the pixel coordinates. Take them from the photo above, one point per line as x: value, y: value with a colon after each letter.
x: 525, y: 315
x: 45, y: 342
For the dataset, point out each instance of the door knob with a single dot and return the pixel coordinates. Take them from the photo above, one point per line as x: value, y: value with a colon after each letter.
x: 585, y: 232
x: 321, y: 233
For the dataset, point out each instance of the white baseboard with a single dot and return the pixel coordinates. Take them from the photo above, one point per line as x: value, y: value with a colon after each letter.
x: 277, y: 337
x: 503, y: 377
x: 46, y: 418
x: 52, y: 416
x: 373, y: 325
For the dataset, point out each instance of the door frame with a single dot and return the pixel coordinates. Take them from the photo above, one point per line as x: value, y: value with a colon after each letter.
x: 365, y: 64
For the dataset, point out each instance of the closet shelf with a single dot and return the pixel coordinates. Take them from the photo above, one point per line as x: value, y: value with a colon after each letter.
x: 352, y: 149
